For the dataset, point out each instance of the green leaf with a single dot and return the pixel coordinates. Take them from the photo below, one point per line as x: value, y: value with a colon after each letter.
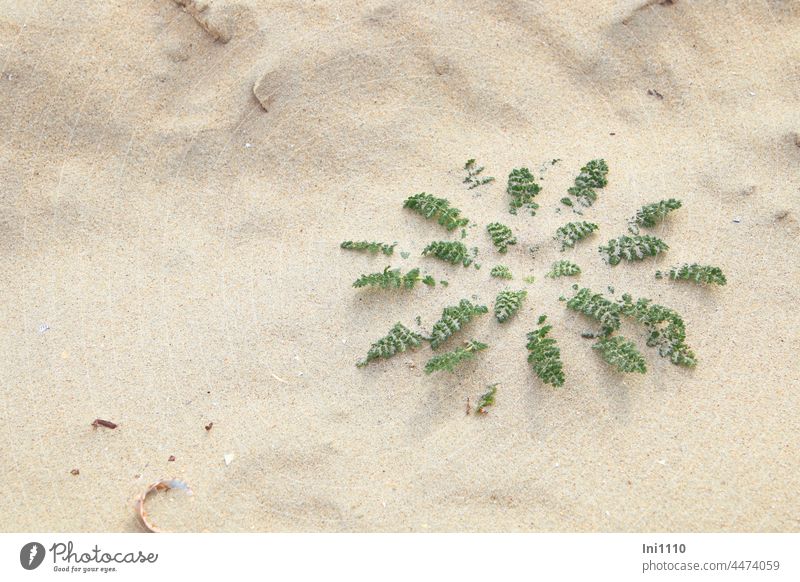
x: 453, y: 319
x: 572, y: 232
x: 393, y: 279
x: 399, y: 339
x: 651, y: 214
x: 591, y: 178
x: 522, y: 188
x: 372, y: 247
x: 449, y: 251
x: 501, y: 272
x: 473, y: 179
x: 621, y: 353
x: 594, y: 305
x: 564, y: 269
x: 701, y: 274
x: 667, y: 332
x: 544, y: 356
x: 632, y: 248
x: 436, y: 208
x: 486, y: 399
x: 449, y: 360
x: 508, y: 304
x: 502, y: 236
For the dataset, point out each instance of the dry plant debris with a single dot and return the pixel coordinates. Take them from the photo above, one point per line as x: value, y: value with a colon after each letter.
x: 163, y: 485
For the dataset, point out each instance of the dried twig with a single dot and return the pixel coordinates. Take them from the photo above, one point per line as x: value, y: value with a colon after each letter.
x: 106, y: 423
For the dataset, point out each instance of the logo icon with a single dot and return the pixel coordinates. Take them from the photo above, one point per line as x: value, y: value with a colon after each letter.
x: 31, y: 555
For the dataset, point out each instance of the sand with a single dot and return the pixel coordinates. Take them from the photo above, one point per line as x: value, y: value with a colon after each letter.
x: 169, y: 258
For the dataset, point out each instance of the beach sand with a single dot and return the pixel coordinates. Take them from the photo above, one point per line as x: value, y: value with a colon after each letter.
x: 174, y: 188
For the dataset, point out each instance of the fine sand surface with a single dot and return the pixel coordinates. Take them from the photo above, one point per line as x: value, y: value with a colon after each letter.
x: 169, y: 257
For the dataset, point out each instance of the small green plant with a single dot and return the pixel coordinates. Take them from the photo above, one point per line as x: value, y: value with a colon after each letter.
x: 621, y: 353
x: 502, y: 236
x: 667, y: 332
x: 449, y: 360
x: 453, y: 252
x: 453, y: 319
x: 544, y: 356
x: 651, y: 214
x: 486, y: 399
x: 501, y: 272
x: 529, y: 279
x: 394, y: 279
x: 399, y: 339
x: 632, y: 248
x: 508, y: 303
x: 594, y: 305
x: 572, y: 232
x: 372, y: 247
x: 566, y: 201
x: 702, y: 274
x: 522, y: 188
x: 438, y: 208
x: 591, y: 178
x: 564, y: 269
x: 473, y: 178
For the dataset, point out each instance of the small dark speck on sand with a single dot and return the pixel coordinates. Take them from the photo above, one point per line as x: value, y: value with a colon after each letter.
x: 106, y: 423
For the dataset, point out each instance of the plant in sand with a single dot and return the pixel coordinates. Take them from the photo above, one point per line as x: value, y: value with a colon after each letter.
x: 544, y: 356
x: 501, y: 235
x: 449, y: 360
x: 572, y: 232
x: 399, y: 339
x: 501, y: 272
x: 522, y: 188
x: 486, y: 399
x: 667, y: 332
x: 438, y: 208
x: 372, y: 247
x: 621, y: 353
x: 450, y: 251
x: 594, y: 305
x: 564, y: 269
x: 651, y: 214
x: 632, y: 248
x: 473, y: 178
x: 508, y: 303
x: 591, y: 178
x: 394, y: 279
x: 702, y: 274
x: 453, y: 319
